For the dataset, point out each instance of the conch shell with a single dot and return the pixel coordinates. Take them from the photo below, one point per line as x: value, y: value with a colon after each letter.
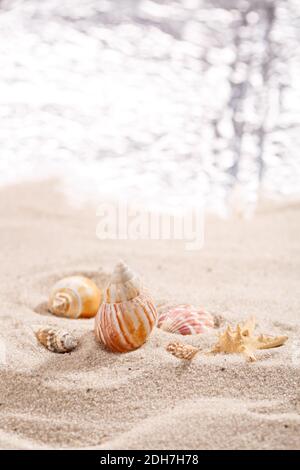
x: 128, y: 315
x: 57, y: 341
x: 75, y: 297
x: 182, y: 351
x: 184, y: 320
x: 242, y: 340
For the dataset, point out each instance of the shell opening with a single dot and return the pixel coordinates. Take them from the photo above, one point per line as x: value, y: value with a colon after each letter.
x: 70, y: 342
x: 61, y: 303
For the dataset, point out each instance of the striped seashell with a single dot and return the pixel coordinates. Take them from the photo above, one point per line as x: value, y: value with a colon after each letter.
x: 56, y: 340
x: 182, y: 351
x: 75, y: 297
x: 184, y: 320
x: 128, y: 315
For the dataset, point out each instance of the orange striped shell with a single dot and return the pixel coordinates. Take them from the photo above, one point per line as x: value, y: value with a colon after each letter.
x: 127, y: 316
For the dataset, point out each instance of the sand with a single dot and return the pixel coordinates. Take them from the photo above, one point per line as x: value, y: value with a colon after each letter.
x: 147, y: 399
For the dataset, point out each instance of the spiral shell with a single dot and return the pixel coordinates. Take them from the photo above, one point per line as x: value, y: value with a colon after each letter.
x: 75, y: 297
x: 185, y: 320
x: 56, y: 340
x: 128, y: 315
x: 182, y: 351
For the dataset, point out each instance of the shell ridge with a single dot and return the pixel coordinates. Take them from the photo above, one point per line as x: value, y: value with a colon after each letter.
x: 79, y: 304
x: 149, y: 315
x: 109, y: 316
x: 140, y: 313
x: 123, y: 324
x: 140, y: 306
x: 130, y: 321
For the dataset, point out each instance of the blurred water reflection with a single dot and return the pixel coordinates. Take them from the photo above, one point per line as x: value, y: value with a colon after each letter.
x: 158, y: 100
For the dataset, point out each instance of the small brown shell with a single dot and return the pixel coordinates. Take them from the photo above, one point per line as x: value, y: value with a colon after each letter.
x: 182, y: 351
x: 57, y: 341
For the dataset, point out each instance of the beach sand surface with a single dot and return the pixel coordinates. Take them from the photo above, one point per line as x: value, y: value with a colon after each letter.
x: 147, y: 399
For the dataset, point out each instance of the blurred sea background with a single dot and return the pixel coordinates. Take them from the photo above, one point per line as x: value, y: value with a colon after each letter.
x: 165, y: 102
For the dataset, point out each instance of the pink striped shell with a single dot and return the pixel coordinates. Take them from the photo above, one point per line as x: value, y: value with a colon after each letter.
x: 184, y: 320
x: 127, y: 316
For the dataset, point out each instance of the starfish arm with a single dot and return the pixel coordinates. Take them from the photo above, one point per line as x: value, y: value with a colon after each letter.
x: 215, y: 350
x: 265, y: 342
x: 248, y: 353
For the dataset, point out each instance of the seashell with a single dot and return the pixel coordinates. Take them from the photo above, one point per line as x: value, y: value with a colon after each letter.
x: 182, y: 351
x: 75, y: 297
x: 56, y: 340
x: 185, y: 320
x: 128, y: 315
